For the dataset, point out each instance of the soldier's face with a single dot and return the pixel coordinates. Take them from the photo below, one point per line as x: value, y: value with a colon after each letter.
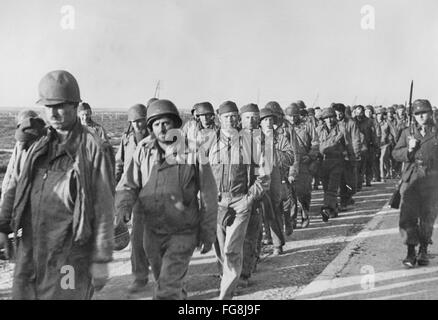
x: 368, y: 113
x: 390, y: 115
x: 85, y: 116
x: 379, y: 116
x: 250, y: 120
x: 229, y: 120
x: 339, y: 115
x: 61, y: 116
x: 330, y: 121
x: 296, y: 119
x: 161, y: 126
x: 360, y: 113
x: 401, y: 112
x: 267, y: 124
x: 139, y: 125
x: 423, y: 118
x: 206, y: 119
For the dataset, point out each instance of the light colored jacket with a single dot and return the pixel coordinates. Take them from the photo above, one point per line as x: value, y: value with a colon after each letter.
x: 168, y: 189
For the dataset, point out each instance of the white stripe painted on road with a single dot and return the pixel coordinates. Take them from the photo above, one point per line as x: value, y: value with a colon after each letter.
x: 397, y: 296
x: 379, y: 289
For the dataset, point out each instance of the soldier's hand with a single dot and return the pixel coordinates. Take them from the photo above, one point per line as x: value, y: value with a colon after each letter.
x: 123, y: 216
x: 412, y: 143
x: 205, y: 247
x: 4, y: 246
x: 100, y: 275
x: 291, y: 179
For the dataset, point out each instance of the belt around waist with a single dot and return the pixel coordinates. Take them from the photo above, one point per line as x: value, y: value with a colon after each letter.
x: 229, y: 195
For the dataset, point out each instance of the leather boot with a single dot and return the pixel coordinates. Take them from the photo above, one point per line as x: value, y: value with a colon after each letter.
x: 423, y: 259
x: 411, y: 258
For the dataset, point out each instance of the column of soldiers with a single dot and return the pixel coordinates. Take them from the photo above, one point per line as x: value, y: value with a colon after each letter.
x: 229, y: 180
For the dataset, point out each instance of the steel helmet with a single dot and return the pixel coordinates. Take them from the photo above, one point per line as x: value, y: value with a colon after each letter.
x: 203, y: 108
x: 121, y: 236
x: 275, y: 107
x: 340, y: 107
x: 301, y: 104
x: 161, y: 108
x: 57, y: 87
x: 421, y: 105
x: 328, y: 112
x: 137, y: 112
x: 84, y: 106
x: 150, y: 101
x: 266, y: 112
x: 293, y: 110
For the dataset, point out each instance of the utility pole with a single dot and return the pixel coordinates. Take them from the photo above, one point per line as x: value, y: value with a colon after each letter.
x: 157, y: 90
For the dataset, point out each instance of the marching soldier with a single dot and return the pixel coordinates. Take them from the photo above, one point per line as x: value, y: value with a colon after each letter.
x: 167, y: 187
x: 250, y: 116
x: 369, y: 145
x: 63, y: 202
x: 229, y: 159
x: 84, y: 113
x: 308, y: 150
x: 30, y: 128
x: 281, y: 154
x: 419, y: 152
x: 352, y: 140
x: 284, y: 128
x: 386, y: 143
x: 130, y: 140
x: 392, y: 123
x: 199, y: 134
x: 333, y: 148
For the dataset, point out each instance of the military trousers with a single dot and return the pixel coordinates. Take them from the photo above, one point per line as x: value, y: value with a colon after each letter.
x: 169, y: 256
x: 365, y: 169
x: 418, y: 209
x: 303, y: 186
x: 385, y: 161
x: 251, y: 242
x: 348, y: 184
x: 273, y: 209
x: 139, y: 259
x: 331, y: 172
x: 229, y: 248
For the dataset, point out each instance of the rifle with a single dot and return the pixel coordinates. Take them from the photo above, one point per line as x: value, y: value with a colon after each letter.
x: 394, y: 202
x: 411, y: 127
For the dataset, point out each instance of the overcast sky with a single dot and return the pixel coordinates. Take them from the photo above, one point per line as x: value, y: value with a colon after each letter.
x: 220, y: 50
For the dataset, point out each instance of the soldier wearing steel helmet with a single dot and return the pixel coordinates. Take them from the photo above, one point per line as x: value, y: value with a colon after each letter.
x: 417, y: 148
x: 333, y: 147
x: 369, y: 145
x: 63, y: 202
x: 167, y: 186
x: 283, y: 158
x: 200, y: 133
x: 137, y: 132
x: 30, y: 127
x: 352, y: 157
x: 308, y: 150
x: 84, y: 113
x: 250, y: 117
x: 240, y: 185
x: 383, y: 165
x: 283, y: 127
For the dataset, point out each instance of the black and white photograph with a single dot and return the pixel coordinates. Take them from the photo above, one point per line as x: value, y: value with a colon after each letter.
x: 200, y: 150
